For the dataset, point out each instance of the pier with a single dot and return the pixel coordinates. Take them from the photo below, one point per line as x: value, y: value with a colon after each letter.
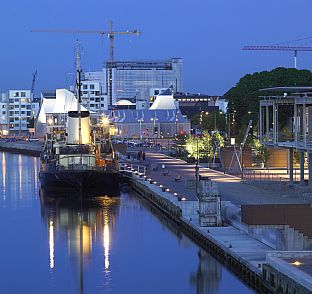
x: 168, y: 186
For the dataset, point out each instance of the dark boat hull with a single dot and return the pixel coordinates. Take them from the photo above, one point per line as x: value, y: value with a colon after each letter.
x: 90, y: 182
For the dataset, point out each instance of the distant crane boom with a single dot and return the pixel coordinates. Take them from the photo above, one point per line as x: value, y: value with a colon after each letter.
x: 294, y: 49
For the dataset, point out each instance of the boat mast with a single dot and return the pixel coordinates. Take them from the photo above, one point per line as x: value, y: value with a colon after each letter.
x: 78, y: 94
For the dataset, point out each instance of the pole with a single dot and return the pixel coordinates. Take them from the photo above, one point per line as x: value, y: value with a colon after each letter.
x: 196, y: 168
x: 295, y: 57
x: 215, y: 120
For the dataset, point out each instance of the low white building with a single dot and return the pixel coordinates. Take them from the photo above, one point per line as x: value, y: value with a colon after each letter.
x: 53, y: 111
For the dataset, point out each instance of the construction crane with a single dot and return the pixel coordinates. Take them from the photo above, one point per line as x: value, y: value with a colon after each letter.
x: 294, y: 49
x: 110, y: 34
x: 34, y: 76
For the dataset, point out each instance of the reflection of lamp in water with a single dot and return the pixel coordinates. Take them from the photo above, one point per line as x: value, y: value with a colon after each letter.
x: 86, y: 239
x: 106, y: 241
x: 51, y: 243
x: 3, y: 173
x: 20, y: 173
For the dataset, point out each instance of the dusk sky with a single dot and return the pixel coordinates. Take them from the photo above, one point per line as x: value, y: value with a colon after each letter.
x: 207, y: 34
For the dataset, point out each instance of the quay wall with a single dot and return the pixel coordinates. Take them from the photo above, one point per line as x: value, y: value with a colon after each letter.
x: 172, y: 210
x: 26, y: 148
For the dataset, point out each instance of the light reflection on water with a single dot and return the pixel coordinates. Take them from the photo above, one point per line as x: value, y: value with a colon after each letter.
x: 111, y: 245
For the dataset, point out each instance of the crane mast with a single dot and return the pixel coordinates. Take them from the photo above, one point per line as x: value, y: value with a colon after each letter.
x: 110, y: 34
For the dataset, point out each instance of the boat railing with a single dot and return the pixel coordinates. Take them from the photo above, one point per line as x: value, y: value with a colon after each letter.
x: 135, y: 168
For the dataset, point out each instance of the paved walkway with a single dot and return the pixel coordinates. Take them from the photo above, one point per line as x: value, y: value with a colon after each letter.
x: 231, y: 188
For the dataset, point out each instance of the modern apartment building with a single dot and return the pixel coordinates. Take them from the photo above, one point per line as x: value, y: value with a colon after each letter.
x: 133, y: 80
x: 20, y: 110
x: 93, y: 89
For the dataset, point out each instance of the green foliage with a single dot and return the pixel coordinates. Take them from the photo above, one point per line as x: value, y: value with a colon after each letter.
x: 205, y: 146
x: 261, y: 151
x: 243, y: 98
x: 31, y: 123
x: 195, y: 147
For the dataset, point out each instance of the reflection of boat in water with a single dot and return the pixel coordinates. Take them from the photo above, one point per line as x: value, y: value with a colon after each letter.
x: 81, y: 225
x: 82, y: 158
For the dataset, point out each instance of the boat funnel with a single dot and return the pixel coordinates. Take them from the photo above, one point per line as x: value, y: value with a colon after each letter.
x: 73, y: 127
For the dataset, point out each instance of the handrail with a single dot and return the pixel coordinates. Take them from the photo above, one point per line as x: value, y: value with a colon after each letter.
x: 135, y: 168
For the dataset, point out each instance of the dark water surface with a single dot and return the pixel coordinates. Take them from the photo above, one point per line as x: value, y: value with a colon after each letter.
x: 109, y: 246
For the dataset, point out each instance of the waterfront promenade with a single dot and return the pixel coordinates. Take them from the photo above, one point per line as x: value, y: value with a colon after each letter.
x: 231, y: 188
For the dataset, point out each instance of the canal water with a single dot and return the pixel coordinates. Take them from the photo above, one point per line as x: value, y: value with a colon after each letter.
x: 107, y: 246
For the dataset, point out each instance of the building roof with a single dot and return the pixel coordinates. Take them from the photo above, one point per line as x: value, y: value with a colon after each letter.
x: 145, y: 116
x: 288, y: 89
x: 48, y: 94
x: 164, y: 101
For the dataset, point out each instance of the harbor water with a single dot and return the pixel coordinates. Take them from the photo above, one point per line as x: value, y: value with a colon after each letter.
x: 108, y: 245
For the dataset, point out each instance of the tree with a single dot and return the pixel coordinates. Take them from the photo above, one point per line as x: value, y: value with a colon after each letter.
x: 195, y: 147
x: 244, y: 100
x: 204, y: 146
x: 261, y: 151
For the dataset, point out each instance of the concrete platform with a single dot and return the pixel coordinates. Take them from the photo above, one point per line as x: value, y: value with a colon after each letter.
x: 231, y: 188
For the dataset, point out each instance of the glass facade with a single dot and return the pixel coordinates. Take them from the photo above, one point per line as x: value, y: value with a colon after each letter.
x: 133, y: 79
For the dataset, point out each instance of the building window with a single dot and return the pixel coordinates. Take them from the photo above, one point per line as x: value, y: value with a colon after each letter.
x: 16, y: 119
x: 16, y: 112
x: 85, y: 86
x: 91, y: 105
x: 28, y: 113
x: 3, y: 106
x: 92, y: 92
x: 16, y: 106
x: 3, y: 112
x: 29, y: 106
x: 97, y: 93
x: 23, y: 112
x: 23, y: 94
x: 16, y: 100
x: 16, y: 94
x: 92, y: 87
x: 11, y: 100
x: 102, y: 105
x: 23, y: 106
x: 85, y: 92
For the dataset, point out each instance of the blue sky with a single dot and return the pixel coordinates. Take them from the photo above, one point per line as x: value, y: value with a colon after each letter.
x: 207, y: 34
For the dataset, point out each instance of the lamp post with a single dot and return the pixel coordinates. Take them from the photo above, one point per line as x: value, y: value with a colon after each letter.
x: 140, y: 123
x: 168, y: 134
x: 197, y: 168
x: 154, y: 119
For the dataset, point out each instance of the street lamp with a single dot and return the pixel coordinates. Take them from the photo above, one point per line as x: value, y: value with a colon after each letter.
x: 154, y: 119
x: 140, y: 121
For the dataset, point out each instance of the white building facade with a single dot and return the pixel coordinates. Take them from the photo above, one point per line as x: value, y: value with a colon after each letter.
x: 19, y: 105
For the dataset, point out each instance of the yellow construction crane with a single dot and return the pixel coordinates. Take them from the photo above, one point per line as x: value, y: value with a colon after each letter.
x: 110, y: 34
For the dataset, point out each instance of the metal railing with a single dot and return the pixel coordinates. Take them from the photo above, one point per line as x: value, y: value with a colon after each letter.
x: 135, y: 168
x: 277, y: 183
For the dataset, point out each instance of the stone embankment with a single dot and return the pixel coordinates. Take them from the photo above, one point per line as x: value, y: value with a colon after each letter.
x: 241, y: 253
x: 32, y: 148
